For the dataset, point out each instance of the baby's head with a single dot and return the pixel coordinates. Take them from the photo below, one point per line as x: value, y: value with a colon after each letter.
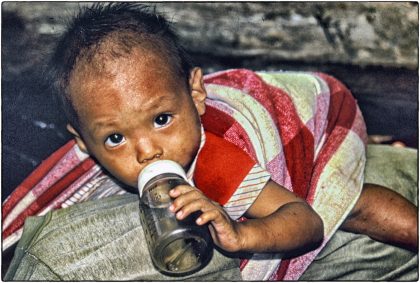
x: 128, y: 89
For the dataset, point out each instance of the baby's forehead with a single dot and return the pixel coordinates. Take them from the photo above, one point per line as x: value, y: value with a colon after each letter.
x: 103, y: 58
x: 104, y: 67
x: 136, y: 71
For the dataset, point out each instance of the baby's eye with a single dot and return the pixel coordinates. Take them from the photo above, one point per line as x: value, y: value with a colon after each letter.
x: 162, y: 120
x: 114, y: 140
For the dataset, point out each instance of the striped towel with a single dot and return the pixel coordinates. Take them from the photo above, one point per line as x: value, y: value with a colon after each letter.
x: 305, y: 129
x: 66, y: 177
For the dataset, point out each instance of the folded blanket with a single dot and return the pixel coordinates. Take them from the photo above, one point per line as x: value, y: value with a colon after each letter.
x: 305, y: 129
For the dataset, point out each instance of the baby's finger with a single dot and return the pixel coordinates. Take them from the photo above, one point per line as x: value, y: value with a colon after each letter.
x: 189, y: 202
x: 179, y: 190
x: 212, y: 215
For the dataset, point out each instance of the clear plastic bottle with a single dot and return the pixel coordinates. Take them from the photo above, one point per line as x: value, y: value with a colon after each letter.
x: 177, y: 247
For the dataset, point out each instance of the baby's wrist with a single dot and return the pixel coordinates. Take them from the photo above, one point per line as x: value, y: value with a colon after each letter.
x: 242, y: 231
x: 254, y: 236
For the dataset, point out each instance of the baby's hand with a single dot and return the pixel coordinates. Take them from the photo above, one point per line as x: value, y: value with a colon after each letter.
x: 224, y: 231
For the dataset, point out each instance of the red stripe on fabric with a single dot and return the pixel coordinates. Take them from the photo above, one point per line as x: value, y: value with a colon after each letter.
x: 342, y: 114
x: 221, y: 168
x: 359, y: 126
x: 223, y: 125
x: 281, y: 271
x: 216, y: 121
x: 298, y: 144
x: 343, y: 107
x: 248, y: 82
x: 327, y: 152
x: 35, y: 177
x: 299, y: 151
x: 243, y: 263
x: 239, y: 137
x: 299, y: 154
x: 49, y: 195
x: 70, y: 190
x: 277, y: 102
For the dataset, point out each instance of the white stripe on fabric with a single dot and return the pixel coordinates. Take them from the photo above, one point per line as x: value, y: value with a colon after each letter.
x: 253, y: 118
x: 334, y: 195
x: 23, y: 204
x: 98, y: 188
x: 93, y: 173
x: 12, y: 239
x: 261, y: 267
x: 106, y: 188
x: 340, y: 182
x: 247, y: 192
x: 320, y: 145
x: 78, y: 195
x: 302, y: 88
x: 79, y: 153
x: 191, y: 170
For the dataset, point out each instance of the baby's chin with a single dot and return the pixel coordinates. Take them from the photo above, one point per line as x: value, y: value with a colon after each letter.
x: 128, y: 186
x: 130, y: 189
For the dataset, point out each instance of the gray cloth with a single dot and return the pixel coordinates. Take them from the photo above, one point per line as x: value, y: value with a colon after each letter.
x: 98, y: 240
x: 351, y: 256
x: 103, y: 240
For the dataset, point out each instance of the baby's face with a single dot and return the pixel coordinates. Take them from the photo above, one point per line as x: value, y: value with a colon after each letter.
x: 136, y: 114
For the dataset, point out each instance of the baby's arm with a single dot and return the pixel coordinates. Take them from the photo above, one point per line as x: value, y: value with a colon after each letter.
x: 386, y: 216
x: 281, y: 222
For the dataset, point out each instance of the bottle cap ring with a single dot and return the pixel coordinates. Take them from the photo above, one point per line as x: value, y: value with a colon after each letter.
x: 156, y: 168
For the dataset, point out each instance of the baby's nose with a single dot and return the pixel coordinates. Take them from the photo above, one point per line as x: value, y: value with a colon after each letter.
x: 147, y: 150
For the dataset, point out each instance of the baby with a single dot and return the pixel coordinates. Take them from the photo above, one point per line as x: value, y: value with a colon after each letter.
x: 132, y: 97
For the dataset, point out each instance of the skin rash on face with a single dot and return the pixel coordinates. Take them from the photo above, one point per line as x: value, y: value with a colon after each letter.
x: 135, y: 112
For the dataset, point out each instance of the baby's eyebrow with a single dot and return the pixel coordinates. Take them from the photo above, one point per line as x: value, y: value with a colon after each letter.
x: 98, y: 126
x: 155, y: 102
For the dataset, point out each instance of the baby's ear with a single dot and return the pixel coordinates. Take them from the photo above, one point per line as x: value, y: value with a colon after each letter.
x: 198, y: 91
x: 78, y: 138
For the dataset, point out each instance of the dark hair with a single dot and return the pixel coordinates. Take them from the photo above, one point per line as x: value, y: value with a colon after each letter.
x: 126, y: 25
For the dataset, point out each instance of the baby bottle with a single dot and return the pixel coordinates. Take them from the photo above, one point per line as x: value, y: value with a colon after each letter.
x: 177, y: 247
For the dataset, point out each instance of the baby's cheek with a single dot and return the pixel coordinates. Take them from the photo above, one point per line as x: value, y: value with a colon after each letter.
x: 129, y: 176
x: 124, y: 173
x: 129, y: 180
x: 185, y: 153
